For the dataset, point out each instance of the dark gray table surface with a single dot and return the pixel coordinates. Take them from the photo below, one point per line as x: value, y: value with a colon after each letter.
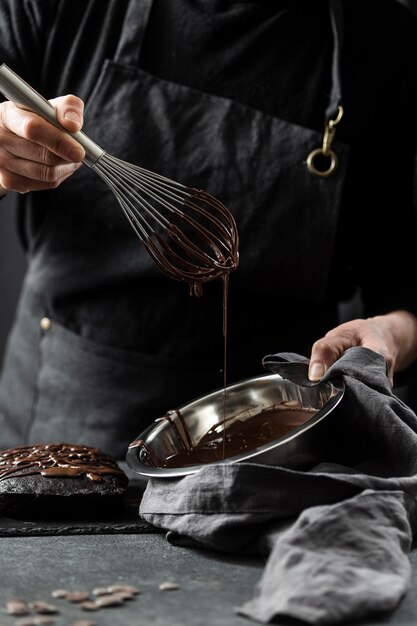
x: 211, y: 584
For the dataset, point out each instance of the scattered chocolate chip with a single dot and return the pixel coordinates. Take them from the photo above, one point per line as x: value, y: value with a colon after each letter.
x: 124, y: 588
x: 89, y: 606
x: 43, y: 608
x: 59, y: 593
x: 123, y: 595
x: 16, y: 606
x: 77, y: 596
x: 101, y: 591
x: 111, y: 600
x: 35, y: 621
x: 169, y: 586
x: 103, y: 602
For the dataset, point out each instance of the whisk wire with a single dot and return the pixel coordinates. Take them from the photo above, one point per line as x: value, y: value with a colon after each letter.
x: 138, y: 222
x: 131, y: 175
x: 134, y: 215
x: 146, y: 206
x: 161, y: 192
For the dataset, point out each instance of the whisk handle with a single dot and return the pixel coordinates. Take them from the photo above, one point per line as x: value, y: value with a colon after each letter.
x: 25, y: 97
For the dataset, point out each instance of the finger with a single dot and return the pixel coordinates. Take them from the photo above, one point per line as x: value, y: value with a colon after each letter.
x: 37, y: 171
x: 15, y: 182
x: 34, y: 128
x: 70, y: 112
x: 13, y: 146
x: 325, y: 352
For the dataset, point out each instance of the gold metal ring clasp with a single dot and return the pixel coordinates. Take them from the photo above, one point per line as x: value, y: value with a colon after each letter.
x: 319, y: 154
x: 323, y: 161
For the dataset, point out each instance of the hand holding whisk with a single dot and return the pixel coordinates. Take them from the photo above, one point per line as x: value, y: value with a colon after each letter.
x: 189, y: 234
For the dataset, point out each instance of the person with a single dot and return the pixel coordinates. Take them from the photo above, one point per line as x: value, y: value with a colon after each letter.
x: 230, y: 97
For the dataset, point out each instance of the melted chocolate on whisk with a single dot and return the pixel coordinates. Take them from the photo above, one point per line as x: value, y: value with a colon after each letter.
x: 214, y: 255
x: 57, y: 460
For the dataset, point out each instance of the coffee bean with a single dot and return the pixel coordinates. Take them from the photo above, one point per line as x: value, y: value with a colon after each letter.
x: 89, y: 605
x: 77, y: 596
x: 83, y: 622
x: 43, y: 607
x: 59, y: 593
x: 15, y: 606
x: 169, y: 586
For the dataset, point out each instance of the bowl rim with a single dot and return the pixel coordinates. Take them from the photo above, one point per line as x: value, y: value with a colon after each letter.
x: 337, y: 392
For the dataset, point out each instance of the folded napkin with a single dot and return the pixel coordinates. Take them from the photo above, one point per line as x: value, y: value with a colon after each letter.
x: 338, y: 535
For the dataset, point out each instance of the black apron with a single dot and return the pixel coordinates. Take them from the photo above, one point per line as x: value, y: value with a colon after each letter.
x: 70, y: 373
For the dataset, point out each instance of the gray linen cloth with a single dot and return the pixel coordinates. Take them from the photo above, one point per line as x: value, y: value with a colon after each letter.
x: 338, y: 535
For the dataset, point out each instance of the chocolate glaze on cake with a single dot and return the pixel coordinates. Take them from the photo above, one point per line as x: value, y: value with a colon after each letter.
x: 59, y: 460
x: 60, y: 481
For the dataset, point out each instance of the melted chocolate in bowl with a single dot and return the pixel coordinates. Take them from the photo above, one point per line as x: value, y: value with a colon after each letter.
x: 238, y: 436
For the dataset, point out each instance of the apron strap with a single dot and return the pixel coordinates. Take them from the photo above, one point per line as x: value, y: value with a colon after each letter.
x: 334, y: 110
x: 336, y: 18
x: 133, y: 32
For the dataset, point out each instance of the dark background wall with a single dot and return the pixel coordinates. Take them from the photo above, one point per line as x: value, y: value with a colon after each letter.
x: 410, y: 4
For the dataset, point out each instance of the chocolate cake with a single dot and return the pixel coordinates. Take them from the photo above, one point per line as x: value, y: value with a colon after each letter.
x: 58, y: 481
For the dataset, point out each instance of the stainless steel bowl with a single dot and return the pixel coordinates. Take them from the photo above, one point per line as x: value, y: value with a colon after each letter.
x: 251, y: 421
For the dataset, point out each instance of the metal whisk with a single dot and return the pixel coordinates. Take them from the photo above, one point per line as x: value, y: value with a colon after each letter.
x: 189, y: 234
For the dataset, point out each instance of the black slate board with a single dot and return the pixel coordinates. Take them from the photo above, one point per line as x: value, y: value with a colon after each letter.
x: 126, y: 521
x: 19, y: 528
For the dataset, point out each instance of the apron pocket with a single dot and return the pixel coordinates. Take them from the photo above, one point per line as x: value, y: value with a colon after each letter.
x: 96, y: 395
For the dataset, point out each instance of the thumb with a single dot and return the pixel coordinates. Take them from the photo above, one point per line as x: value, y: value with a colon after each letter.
x: 70, y: 112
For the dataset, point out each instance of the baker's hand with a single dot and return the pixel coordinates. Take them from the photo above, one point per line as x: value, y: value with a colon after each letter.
x: 34, y: 154
x: 393, y: 335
